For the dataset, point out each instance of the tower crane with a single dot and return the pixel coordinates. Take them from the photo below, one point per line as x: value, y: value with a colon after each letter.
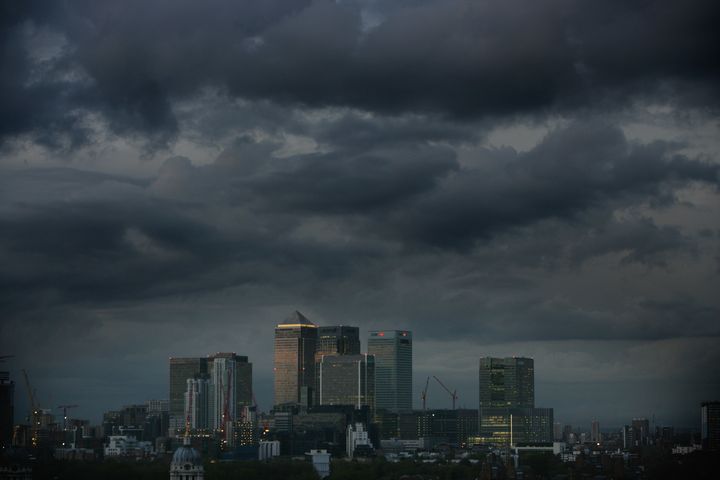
x: 226, y: 416
x: 423, y: 394
x: 453, y: 394
x: 65, y: 408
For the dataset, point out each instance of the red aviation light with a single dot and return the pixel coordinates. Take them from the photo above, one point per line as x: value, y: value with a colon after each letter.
x: 381, y: 334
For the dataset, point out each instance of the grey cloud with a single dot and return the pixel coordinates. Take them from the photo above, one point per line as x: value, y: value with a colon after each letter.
x: 571, y: 171
x: 440, y: 58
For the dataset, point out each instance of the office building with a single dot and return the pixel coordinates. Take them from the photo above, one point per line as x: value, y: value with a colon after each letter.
x: 392, y: 350
x: 641, y: 431
x: 7, y: 409
x: 507, y: 382
x: 338, y: 340
x: 294, y: 364
x: 182, y: 368
x: 595, y: 432
x: 334, y: 340
x: 157, y: 406
x: 507, y: 412
x: 710, y: 425
x: 347, y: 380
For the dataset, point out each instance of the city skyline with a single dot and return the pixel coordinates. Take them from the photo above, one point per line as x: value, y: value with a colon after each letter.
x: 504, y: 178
x: 437, y: 398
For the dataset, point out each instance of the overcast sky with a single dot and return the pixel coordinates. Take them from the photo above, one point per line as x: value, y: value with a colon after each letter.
x: 502, y: 177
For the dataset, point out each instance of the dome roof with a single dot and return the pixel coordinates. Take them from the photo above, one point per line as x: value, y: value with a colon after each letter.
x: 187, y: 454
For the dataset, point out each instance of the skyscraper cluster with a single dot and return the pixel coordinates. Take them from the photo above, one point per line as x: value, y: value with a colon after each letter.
x: 323, y: 365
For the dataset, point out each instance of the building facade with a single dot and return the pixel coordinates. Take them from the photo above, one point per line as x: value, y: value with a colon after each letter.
x: 710, y: 425
x: 338, y: 340
x: 507, y: 413
x: 334, y: 340
x: 392, y: 350
x: 182, y: 368
x: 347, y: 380
x: 507, y: 382
x: 294, y: 362
x: 197, y: 403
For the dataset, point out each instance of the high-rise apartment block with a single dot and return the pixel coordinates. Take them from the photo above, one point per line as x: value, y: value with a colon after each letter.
x: 231, y: 387
x: 347, y: 380
x: 710, y: 425
x: 219, y: 386
x: 197, y: 403
x: 507, y: 410
x: 392, y: 350
x: 294, y: 365
x: 182, y: 368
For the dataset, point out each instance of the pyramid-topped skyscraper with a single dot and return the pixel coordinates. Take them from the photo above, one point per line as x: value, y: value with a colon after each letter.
x: 294, y: 366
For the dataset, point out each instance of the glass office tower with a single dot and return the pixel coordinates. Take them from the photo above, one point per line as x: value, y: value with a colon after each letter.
x: 507, y: 382
x: 507, y: 410
x: 392, y: 350
x: 338, y: 340
x: 294, y: 365
x: 347, y: 380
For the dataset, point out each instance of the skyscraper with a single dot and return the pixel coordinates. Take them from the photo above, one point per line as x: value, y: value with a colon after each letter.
x: 507, y: 382
x: 641, y: 431
x: 182, y: 368
x: 392, y: 350
x: 710, y: 425
x: 507, y: 403
x: 197, y: 402
x: 595, y: 431
x: 347, y: 380
x: 231, y: 387
x: 334, y: 340
x: 236, y: 388
x: 294, y: 365
x: 338, y: 340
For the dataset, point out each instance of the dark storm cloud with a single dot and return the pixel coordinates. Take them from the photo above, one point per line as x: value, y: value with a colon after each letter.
x: 569, y: 172
x: 95, y: 237
x: 457, y: 58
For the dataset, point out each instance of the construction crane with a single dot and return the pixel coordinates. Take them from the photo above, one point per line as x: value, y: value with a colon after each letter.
x: 34, y: 411
x: 423, y: 394
x: 226, y: 417
x: 65, y: 408
x: 453, y: 394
